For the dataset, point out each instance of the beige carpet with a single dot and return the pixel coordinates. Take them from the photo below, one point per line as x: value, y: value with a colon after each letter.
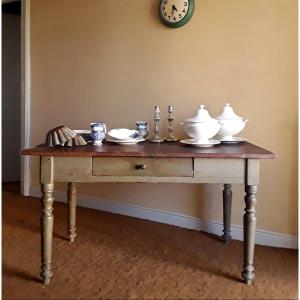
x: 118, y: 257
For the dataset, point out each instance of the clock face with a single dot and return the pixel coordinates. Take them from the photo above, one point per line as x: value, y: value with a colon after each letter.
x: 176, y: 13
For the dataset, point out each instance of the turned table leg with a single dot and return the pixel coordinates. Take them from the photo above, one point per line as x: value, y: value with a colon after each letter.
x: 46, y: 231
x: 227, y: 200
x: 72, y: 195
x: 249, y: 233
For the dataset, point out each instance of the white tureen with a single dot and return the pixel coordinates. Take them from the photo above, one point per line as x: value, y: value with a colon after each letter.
x: 202, y: 126
x: 231, y: 123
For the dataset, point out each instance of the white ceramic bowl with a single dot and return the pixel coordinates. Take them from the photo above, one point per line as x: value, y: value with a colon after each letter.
x: 123, y: 134
x: 229, y: 128
x: 201, y: 132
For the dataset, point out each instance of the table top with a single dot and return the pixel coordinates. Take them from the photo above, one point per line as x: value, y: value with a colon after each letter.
x: 146, y: 149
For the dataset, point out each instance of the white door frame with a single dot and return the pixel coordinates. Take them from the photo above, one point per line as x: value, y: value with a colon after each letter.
x: 25, y: 94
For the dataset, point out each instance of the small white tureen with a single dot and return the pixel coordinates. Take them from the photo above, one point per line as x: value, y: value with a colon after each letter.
x: 231, y: 123
x: 202, y: 126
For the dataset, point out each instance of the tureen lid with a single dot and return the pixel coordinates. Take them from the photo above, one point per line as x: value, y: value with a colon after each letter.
x: 228, y: 114
x: 201, y: 116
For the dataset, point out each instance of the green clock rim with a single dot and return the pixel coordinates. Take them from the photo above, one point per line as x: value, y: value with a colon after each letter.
x: 182, y: 22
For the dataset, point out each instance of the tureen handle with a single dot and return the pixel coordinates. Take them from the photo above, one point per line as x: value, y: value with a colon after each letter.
x: 245, y: 120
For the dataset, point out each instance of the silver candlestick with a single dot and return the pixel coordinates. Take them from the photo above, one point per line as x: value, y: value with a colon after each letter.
x: 171, y: 137
x: 156, y: 118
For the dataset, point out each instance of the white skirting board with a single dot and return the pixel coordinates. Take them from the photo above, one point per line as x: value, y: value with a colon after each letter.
x: 263, y: 237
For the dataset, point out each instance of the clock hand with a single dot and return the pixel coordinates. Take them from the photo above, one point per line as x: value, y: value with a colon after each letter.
x: 173, y: 9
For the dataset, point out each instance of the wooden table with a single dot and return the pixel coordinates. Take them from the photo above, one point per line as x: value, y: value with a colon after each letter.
x: 146, y: 162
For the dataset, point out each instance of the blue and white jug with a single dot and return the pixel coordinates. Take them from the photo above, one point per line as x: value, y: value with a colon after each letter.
x: 142, y: 128
x: 98, y: 131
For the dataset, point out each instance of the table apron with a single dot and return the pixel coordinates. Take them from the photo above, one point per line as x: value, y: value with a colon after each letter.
x: 168, y: 170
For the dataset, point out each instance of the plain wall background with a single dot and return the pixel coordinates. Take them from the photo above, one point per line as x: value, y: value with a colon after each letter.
x: 112, y: 61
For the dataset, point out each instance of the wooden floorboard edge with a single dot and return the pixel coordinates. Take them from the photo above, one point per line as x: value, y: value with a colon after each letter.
x: 263, y: 237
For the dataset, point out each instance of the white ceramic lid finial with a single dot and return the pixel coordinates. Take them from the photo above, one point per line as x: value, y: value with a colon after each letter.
x: 201, y: 116
x: 228, y: 113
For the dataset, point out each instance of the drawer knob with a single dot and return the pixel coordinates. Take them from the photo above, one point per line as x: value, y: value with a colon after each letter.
x: 140, y: 166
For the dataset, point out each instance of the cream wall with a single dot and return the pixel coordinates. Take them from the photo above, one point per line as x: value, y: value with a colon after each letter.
x: 113, y: 61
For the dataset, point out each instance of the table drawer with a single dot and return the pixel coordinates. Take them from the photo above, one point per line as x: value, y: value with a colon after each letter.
x: 142, y: 166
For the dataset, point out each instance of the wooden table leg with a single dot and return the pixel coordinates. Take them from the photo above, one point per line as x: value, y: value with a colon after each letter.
x: 46, y: 231
x: 227, y: 200
x: 72, y: 195
x: 249, y: 233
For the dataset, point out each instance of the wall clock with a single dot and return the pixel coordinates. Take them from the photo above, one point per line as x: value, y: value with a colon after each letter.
x: 176, y: 13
